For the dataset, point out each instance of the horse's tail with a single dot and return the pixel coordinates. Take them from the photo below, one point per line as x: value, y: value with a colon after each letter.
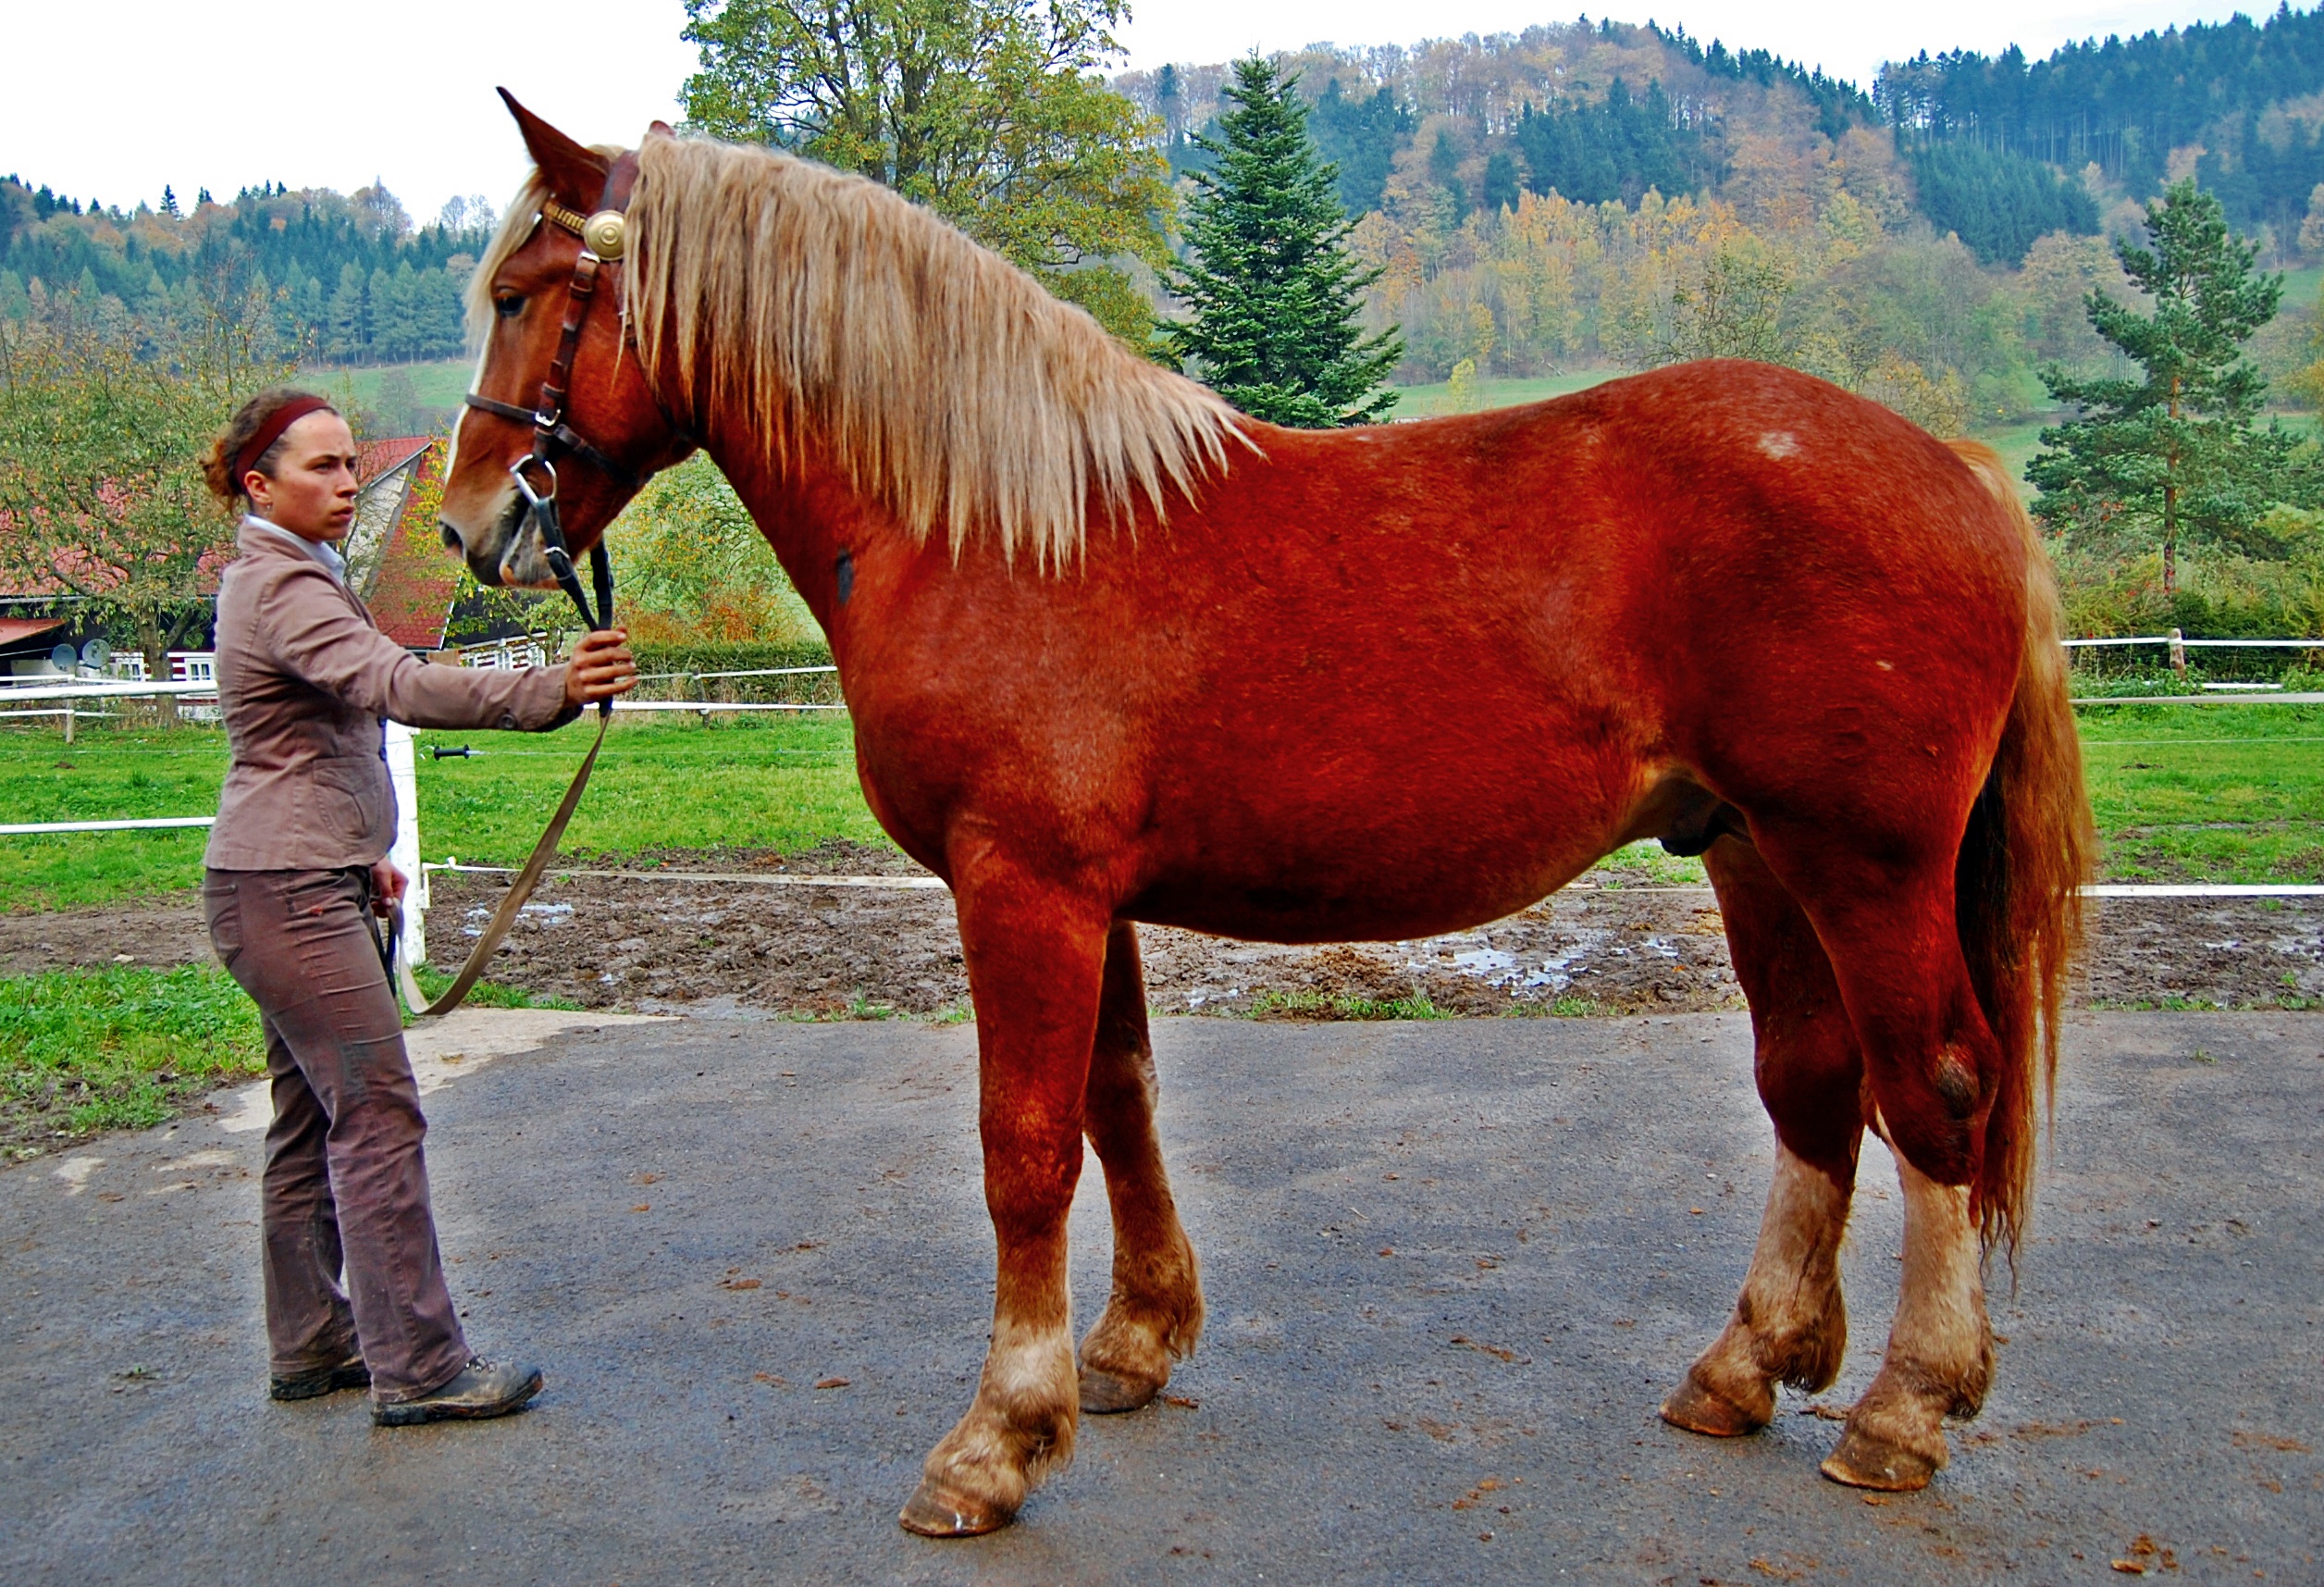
x: 2019, y: 879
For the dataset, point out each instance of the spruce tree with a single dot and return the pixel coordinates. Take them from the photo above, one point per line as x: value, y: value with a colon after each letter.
x: 1274, y: 292
x: 2176, y: 452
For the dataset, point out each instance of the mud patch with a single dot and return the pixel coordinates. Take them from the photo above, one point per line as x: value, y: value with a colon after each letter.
x: 863, y: 952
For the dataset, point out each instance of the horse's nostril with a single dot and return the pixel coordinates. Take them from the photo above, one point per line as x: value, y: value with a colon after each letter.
x: 452, y: 536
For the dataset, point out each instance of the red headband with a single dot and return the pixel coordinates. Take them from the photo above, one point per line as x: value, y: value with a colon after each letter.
x: 281, y: 419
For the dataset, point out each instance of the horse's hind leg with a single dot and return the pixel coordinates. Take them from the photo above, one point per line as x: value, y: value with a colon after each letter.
x: 1932, y: 1062
x: 1155, y: 1310
x: 1790, y: 1325
x: 1940, y: 1349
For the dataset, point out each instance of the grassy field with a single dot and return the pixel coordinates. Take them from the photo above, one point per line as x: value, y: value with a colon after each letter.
x: 1428, y: 401
x: 2207, y: 793
x: 117, y: 1048
x: 661, y: 782
x: 2182, y: 793
x: 441, y: 384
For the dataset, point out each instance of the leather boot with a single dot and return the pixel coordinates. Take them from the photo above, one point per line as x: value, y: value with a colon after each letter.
x: 349, y: 1375
x: 476, y: 1391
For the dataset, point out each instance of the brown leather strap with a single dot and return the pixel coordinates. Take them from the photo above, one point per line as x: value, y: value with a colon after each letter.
x: 496, y: 929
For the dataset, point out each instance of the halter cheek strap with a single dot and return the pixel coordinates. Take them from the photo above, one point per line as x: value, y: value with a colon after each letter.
x: 536, y: 471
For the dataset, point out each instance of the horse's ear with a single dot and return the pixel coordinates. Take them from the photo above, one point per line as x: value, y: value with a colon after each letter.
x: 662, y: 129
x: 573, y: 173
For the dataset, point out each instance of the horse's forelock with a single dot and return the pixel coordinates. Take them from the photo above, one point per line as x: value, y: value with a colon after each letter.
x: 517, y: 224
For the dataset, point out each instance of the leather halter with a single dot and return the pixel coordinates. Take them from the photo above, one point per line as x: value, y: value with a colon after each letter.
x: 602, y: 242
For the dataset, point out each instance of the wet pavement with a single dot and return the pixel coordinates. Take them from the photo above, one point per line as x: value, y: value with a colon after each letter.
x: 1451, y: 1267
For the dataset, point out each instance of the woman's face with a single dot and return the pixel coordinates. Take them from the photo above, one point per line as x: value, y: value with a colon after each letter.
x: 312, y: 492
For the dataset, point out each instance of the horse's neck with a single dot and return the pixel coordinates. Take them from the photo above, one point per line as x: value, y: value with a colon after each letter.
x: 808, y: 514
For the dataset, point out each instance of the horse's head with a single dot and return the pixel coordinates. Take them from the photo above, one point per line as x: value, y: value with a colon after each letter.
x: 560, y: 405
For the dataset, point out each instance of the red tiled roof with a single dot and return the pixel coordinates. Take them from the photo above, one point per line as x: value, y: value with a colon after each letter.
x: 374, y: 458
x: 412, y: 593
x: 16, y: 630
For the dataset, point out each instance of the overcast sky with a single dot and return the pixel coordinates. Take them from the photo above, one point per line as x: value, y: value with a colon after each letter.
x: 113, y: 99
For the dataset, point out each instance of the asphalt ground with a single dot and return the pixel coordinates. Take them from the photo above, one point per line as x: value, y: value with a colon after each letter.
x: 753, y: 1258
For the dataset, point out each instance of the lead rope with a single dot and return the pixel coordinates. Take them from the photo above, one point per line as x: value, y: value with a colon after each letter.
x: 551, y: 434
x: 503, y: 917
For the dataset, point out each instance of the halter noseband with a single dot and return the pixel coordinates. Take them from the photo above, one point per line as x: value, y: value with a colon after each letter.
x: 603, y: 238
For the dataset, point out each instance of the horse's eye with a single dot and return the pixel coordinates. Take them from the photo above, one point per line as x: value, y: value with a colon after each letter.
x: 509, y: 307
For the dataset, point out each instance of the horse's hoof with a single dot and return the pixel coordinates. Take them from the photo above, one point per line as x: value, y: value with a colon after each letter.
x: 1696, y: 1409
x: 1863, y: 1460
x: 1107, y: 1394
x: 938, y: 1512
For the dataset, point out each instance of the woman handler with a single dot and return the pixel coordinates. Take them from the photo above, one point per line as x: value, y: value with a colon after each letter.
x: 295, y: 862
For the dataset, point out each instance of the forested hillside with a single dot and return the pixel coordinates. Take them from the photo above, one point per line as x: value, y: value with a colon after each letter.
x: 1596, y: 193
x: 348, y: 277
x: 2236, y: 103
x: 1577, y: 195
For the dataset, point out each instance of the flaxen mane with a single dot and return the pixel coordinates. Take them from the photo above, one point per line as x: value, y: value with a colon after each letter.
x: 947, y: 382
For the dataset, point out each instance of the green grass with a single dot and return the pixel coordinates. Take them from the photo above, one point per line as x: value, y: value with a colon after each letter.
x: 117, y: 1048
x: 760, y: 781
x: 1427, y: 402
x: 1318, y: 1006
x: 763, y: 782
x: 482, y: 995
x: 2222, y: 793
x: 125, y: 1047
x: 1648, y: 864
x: 109, y: 774
x: 438, y: 384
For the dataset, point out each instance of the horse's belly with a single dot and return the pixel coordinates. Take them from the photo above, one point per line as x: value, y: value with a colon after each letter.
x: 1377, y: 865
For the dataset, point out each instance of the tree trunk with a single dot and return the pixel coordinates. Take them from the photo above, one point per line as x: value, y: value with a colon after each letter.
x: 2170, y: 502
x: 155, y: 644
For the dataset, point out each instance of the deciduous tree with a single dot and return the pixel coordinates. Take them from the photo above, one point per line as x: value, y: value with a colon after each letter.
x: 987, y: 111
x: 101, y: 425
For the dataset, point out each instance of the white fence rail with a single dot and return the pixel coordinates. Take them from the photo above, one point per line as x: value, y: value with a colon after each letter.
x: 30, y: 829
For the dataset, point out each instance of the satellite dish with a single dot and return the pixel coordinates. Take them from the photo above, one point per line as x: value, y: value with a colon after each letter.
x: 96, y: 654
x: 63, y: 656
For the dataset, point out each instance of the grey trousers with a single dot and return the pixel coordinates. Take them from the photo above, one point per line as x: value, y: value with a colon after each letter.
x: 346, y: 1182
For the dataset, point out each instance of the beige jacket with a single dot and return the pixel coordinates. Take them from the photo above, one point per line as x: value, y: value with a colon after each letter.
x: 304, y: 679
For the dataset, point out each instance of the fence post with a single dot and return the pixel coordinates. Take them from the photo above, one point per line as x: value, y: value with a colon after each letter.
x: 69, y: 715
x: 405, y: 855
x: 2179, y: 654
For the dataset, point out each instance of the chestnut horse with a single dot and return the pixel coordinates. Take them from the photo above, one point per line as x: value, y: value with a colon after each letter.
x: 1116, y: 653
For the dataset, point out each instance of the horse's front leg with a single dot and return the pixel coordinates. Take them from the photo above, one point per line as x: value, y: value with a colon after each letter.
x: 1155, y: 1310
x: 1035, y: 959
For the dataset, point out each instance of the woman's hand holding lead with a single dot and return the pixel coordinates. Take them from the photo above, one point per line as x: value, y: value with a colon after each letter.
x: 601, y: 667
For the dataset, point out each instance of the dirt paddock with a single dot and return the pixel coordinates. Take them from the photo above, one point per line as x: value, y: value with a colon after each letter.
x: 1598, y: 947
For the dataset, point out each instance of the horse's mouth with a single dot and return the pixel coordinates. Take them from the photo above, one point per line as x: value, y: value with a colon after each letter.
x: 509, y: 555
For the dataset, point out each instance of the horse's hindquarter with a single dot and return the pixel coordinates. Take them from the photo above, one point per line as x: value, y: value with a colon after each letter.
x: 1394, y: 681
x: 1840, y: 604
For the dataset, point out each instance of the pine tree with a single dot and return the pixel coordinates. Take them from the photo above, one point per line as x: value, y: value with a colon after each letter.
x: 345, y: 338
x: 382, y: 316
x: 1274, y: 291
x: 168, y: 199
x: 2176, y: 453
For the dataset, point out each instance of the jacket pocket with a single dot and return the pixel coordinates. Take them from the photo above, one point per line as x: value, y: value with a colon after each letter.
x: 350, y: 796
